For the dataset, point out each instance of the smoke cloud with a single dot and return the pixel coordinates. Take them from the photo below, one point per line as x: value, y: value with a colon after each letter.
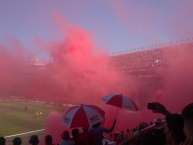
x: 78, y: 72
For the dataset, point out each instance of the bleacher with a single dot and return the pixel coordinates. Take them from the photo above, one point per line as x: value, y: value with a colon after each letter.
x: 144, y: 62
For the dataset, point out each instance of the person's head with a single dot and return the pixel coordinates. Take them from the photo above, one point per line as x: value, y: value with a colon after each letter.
x: 85, y: 129
x: 75, y: 133
x: 65, y: 135
x: 2, y: 141
x: 187, y: 115
x: 34, y: 140
x: 134, y: 129
x: 17, y: 141
x: 110, y: 135
x: 48, y: 139
x: 96, y: 125
x: 116, y: 134
x: 128, y: 130
x: 155, y: 121
x: 140, y: 127
x: 122, y: 132
x: 151, y: 123
x: 174, y: 128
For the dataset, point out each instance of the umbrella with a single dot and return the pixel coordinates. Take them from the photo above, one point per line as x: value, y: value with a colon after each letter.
x: 120, y: 101
x: 83, y: 116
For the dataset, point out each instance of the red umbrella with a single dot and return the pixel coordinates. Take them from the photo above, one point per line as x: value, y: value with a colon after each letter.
x: 120, y: 101
x: 83, y: 116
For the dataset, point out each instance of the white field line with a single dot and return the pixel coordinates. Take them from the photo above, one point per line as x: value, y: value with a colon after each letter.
x: 24, y: 133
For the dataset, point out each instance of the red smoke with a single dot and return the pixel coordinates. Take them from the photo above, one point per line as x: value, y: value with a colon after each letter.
x: 79, y: 73
x: 79, y: 70
x: 12, y: 62
x: 89, y: 77
x: 177, y: 77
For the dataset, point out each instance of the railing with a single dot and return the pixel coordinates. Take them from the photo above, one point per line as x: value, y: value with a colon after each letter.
x: 155, y: 46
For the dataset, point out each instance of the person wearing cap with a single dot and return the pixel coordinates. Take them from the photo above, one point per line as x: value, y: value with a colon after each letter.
x: 66, y: 139
x: 34, y: 140
x: 17, y: 141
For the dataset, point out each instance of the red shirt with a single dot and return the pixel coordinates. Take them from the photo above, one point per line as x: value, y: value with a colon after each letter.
x: 87, y: 138
x: 77, y: 141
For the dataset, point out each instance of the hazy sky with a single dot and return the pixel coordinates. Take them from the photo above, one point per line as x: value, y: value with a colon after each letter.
x: 116, y: 24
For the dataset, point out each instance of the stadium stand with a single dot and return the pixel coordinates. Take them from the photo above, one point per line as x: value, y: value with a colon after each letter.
x: 144, y: 60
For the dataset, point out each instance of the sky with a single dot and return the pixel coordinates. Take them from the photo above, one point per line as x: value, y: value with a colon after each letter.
x: 115, y: 25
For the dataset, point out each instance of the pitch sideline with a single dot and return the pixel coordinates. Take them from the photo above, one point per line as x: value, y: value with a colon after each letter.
x: 25, y: 133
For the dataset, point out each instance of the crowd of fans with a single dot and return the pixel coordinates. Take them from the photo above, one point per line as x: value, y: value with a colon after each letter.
x: 173, y: 129
x: 138, y: 60
x: 145, y: 59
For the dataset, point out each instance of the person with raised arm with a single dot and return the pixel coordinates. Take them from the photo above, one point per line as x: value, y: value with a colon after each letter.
x: 98, y: 130
x: 160, y: 109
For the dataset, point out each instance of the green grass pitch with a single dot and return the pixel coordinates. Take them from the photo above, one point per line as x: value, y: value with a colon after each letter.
x: 14, y: 119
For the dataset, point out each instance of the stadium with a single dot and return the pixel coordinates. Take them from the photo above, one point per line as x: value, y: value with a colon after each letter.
x: 25, y: 117
x: 96, y: 72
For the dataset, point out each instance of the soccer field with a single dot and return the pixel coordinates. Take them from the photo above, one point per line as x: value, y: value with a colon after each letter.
x: 15, y: 119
